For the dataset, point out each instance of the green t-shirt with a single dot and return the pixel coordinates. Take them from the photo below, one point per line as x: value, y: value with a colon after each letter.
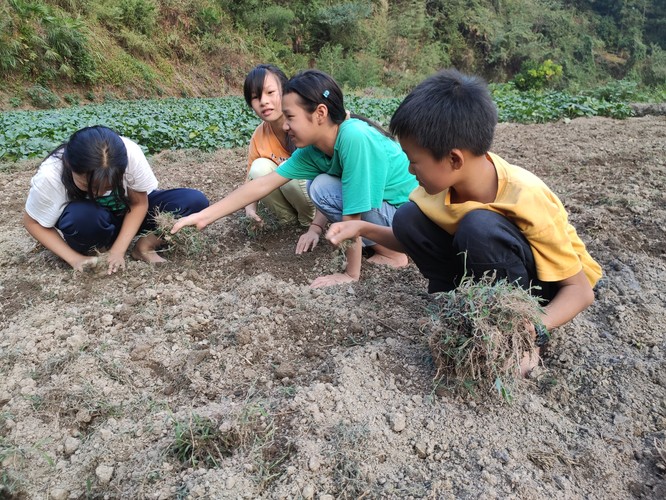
x: 112, y: 202
x: 372, y: 167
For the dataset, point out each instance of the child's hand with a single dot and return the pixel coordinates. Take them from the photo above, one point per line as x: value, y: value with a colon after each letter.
x: 341, y: 231
x: 190, y: 220
x: 116, y: 262
x: 83, y: 262
x: 252, y: 214
x: 332, y: 279
x: 308, y: 241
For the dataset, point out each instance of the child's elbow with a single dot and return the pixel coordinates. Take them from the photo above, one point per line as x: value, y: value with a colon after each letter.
x: 27, y: 220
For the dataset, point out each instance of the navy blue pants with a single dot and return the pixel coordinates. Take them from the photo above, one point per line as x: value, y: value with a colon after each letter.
x: 86, y: 225
x: 485, y: 241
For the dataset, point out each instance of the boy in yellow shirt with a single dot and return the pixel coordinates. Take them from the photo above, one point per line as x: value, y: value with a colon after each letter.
x: 474, y: 209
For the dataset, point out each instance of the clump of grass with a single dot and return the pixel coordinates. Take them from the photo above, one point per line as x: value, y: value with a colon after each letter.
x: 202, y: 441
x: 340, y: 254
x: 480, y: 333
x: 188, y: 241
x: 347, y: 459
x: 269, y: 222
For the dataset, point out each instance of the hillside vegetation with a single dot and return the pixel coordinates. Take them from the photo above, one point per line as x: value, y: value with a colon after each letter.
x: 70, y: 50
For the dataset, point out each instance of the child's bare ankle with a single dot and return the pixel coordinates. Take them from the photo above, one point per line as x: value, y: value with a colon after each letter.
x: 388, y: 257
x: 146, y: 251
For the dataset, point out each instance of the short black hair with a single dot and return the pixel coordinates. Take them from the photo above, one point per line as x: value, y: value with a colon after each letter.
x: 254, y: 81
x: 447, y: 111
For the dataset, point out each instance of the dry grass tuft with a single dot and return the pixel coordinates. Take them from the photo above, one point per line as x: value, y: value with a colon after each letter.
x: 479, y: 333
x: 340, y: 254
x: 348, y: 460
x: 188, y: 241
x: 204, y: 441
x: 252, y: 228
x: 201, y: 441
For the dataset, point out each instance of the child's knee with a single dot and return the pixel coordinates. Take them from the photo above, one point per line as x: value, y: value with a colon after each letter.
x: 261, y: 167
x: 477, y: 226
x: 197, y: 201
x: 324, y: 188
x: 404, y: 220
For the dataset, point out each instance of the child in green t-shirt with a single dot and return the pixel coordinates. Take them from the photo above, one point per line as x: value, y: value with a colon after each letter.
x: 357, y: 171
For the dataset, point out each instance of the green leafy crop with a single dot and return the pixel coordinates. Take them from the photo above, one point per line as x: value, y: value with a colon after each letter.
x: 227, y: 122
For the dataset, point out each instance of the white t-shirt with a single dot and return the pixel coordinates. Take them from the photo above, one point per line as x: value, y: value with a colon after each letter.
x: 47, y: 198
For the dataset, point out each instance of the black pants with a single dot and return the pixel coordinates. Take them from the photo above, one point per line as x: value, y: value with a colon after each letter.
x: 86, y: 225
x: 485, y: 241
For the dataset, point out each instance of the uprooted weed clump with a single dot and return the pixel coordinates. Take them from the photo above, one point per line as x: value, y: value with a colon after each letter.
x: 480, y: 332
x: 340, y: 254
x: 188, y: 241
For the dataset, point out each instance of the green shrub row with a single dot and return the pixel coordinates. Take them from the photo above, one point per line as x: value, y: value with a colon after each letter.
x: 227, y: 122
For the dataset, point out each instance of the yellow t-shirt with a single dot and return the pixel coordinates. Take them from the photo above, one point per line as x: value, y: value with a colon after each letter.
x: 526, y: 201
x: 265, y: 144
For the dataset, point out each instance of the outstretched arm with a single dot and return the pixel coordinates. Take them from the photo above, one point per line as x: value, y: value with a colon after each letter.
x: 241, y: 197
x: 352, y: 229
x: 574, y: 295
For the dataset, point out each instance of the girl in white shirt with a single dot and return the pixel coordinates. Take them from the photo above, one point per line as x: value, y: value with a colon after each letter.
x: 97, y: 191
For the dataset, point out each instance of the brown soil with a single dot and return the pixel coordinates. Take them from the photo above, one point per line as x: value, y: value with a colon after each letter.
x: 330, y: 392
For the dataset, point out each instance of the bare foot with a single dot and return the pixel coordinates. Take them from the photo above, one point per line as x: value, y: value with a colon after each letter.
x: 388, y: 257
x: 151, y: 256
x: 144, y: 249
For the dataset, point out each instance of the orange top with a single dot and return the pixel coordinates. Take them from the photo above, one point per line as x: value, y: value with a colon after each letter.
x: 265, y: 144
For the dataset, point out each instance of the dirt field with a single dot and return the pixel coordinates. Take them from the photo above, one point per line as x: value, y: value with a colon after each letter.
x: 226, y: 376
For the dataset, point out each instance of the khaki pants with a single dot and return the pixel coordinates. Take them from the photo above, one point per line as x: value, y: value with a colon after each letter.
x: 291, y: 201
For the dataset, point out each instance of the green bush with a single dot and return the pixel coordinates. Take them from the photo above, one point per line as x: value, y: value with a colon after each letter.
x: 136, y: 15
x: 208, y: 19
x: 10, y: 45
x: 15, y: 102
x: 340, y: 25
x: 71, y: 99
x: 277, y: 21
x: 353, y: 71
x: 139, y: 15
x: 534, y: 76
x: 41, y: 97
x: 68, y: 38
x: 653, y: 68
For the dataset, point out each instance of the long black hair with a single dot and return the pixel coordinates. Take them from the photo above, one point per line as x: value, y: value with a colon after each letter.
x: 315, y: 87
x: 99, y: 154
x: 254, y: 81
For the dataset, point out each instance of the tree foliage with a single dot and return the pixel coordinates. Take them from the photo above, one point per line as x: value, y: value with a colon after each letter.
x: 195, y: 47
